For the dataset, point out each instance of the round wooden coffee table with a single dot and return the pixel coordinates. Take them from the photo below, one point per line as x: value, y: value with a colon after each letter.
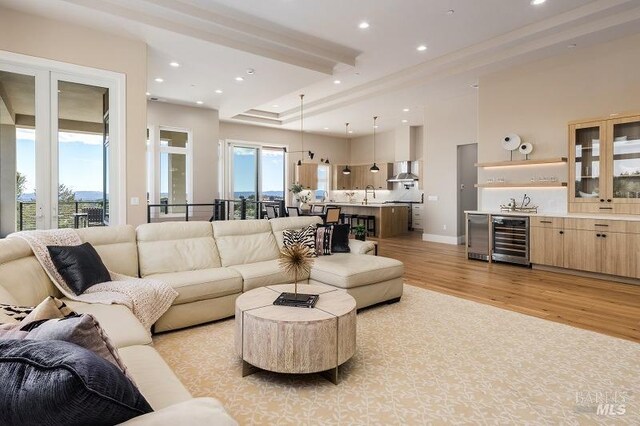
x: 293, y: 340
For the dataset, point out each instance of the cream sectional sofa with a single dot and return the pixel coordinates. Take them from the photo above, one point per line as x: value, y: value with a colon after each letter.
x: 209, y: 265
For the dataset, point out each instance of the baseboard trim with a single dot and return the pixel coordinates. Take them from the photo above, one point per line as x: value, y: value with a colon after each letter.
x: 586, y: 274
x: 443, y: 239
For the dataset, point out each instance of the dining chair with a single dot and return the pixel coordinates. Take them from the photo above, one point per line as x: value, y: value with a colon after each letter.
x: 293, y: 211
x: 317, y: 208
x: 271, y: 212
x: 332, y: 215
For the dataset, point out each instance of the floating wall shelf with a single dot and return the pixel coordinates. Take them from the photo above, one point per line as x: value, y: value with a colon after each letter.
x: 521, y: 185
x: 522, y: 162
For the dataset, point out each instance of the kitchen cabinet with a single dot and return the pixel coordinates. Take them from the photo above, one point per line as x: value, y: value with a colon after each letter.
x: 547, y: 246
x: 340, y: 180
x: 361, y: 177
x: 307, y: 175
x: 586, y: 244
x: 604, y: 166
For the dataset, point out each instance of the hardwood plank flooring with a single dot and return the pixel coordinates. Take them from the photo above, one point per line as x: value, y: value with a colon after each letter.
x: 599, y: 305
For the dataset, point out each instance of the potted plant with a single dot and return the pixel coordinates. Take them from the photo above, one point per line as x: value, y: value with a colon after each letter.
x: 360, y: 232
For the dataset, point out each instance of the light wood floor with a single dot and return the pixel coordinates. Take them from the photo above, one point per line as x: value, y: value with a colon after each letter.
x: 604, y: 306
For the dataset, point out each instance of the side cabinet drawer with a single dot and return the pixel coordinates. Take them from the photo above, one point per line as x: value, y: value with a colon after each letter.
x: 596, y: 225
x: 547, y: 222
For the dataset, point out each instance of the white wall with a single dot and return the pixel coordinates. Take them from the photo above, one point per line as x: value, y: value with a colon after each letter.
x: 362, y: 148
x: 65, y: 42
x: 204, y: 125
x: 538, y: 99
x: 447, y: 124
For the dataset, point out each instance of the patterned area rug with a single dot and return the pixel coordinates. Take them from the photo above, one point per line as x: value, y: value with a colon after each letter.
x: 431, y: 358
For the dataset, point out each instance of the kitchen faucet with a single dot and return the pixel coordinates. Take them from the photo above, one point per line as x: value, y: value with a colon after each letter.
x: 366, y: 193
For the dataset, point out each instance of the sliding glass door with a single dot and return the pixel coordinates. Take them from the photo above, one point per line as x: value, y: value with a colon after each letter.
x: 57, y: 167
x: 256, y: 174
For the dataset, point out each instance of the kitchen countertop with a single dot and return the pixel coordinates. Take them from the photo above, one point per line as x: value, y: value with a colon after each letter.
x: 370, y: 205
x: 635, y: 218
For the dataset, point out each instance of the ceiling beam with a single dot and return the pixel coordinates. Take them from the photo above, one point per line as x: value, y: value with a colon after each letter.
x: 240, y: 32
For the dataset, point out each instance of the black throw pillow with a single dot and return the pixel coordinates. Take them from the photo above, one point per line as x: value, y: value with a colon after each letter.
x: 80, y: 266
x: 340, y: 239
x: 59, y: 383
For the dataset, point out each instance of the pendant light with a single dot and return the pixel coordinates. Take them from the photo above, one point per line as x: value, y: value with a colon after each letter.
x: 302, y: 132
x: 374, y: 168
x: 346, y: 170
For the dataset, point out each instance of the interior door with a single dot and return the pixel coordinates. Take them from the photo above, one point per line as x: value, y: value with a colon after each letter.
x: 467, y: 178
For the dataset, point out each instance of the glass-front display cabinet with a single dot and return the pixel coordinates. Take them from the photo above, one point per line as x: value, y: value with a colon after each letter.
x: 605, y: 166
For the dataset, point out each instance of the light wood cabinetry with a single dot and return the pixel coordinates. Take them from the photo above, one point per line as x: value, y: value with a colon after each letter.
x: 361, y: 177
x: 604, y: 166
x: 593, y: 245
x: 307, y: 175
x: 547, y: 246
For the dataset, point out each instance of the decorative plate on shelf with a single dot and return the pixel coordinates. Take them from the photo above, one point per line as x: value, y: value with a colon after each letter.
x: 511, y: 142
x: 526, y: 148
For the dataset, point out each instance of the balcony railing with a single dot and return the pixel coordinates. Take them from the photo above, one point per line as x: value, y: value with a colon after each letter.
x: 67, y: 214
x: 239, y: 209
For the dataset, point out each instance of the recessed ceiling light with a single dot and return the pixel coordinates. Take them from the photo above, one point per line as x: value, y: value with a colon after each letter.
x: 218, y: 91
x: 239, y: 78
x: 199, y: 102
x: 613, y: 114
x: 375, y: 127
x: 474, y: 86
x: 251, y: 71
x: 148, y: 94
x: 421, y: 48
x: 350, y: 131
x: 572, y: 45
x: 336, y: 82
x: 406, y: 110
x: 405, y: 121
x: 159, y: 80
x: 275, y: 106
x: 537, y: 2
x: 450, y: 12
x: 363, y: 25
x: 326, y: 128
x: 59, y: 91
x: 174, y: 64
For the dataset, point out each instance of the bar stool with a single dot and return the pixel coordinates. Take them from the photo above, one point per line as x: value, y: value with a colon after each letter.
x: 346, y: 218
x: 371, y: 225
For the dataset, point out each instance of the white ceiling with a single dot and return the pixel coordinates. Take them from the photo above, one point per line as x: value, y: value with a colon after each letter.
x: 300, y: 46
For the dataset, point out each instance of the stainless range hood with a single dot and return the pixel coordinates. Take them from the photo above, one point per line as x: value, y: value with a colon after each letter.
x: 405, y: 174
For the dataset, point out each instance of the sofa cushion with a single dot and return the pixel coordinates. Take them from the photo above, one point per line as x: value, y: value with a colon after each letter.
x: 54, y: 382
x: 245, y: 241
x: 18, y: 266
x: 159, y: 385
x: 79, y: 266
x: 118, y: 322
x: 194, y: 412
x: 280, y: 224
x: 116, y: 246
x: 348, y: 270
x: 260, y: 274
x: 202, y: 284
x: 176, y: 247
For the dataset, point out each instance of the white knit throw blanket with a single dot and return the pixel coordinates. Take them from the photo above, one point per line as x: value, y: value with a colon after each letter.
x: 147, y: 299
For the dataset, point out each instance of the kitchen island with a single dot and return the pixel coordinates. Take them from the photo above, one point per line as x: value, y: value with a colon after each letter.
x: 392, y: 219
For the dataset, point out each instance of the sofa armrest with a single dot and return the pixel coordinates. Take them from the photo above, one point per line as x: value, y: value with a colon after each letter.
x: 361, y: 247
x: 194, y: 412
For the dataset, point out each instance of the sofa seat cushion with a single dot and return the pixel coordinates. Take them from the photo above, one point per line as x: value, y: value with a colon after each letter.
x: 260, y: 274
x: 155, y: 380
x: 117, y: 321
x: 195, y: 412
x: 202, y: 284
x: 348, y: 270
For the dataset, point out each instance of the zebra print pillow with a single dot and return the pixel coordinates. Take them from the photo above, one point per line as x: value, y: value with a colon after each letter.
x: 305, y: 236
x: 11, y: 314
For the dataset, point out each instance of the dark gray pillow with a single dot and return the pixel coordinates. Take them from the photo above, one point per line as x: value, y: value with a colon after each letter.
x: 340, y: 238
x: 80, y: 266
x: 59, y: 383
